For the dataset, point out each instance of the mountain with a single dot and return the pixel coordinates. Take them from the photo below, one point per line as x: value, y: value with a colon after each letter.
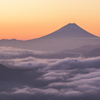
x: 93, y: 53
x: 68, y: 37
x: 82, y: 49
x: 71, y: 30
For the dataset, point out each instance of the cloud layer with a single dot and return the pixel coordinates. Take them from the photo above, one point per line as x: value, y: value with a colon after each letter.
x: 31, y: 77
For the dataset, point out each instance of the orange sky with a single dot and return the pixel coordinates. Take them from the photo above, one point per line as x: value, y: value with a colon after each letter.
x: 28, y: 19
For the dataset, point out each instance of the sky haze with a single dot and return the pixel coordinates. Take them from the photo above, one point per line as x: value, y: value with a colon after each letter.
x: 36, y: 18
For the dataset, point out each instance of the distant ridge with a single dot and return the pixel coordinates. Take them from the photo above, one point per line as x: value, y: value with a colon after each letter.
x: 70, y: 36
x: 70, y: 30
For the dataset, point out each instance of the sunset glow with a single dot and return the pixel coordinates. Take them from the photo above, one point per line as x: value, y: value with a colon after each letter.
x: 28, y: 19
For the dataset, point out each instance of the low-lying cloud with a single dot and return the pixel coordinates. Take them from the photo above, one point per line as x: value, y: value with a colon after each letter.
x: 40, y: 78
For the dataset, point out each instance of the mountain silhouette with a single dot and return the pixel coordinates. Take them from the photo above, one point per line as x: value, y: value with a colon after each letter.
x: 70, y: 36
x: 71, y: 30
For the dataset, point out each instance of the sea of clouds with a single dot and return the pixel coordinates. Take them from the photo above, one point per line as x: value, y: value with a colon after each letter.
x: 30, y: 76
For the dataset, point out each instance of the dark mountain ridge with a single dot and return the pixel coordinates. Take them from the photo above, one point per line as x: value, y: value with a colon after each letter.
x: 70, y: 30
x: 68, y: 37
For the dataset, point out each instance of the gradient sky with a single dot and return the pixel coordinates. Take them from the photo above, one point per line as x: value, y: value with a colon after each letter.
x: 28, y: 19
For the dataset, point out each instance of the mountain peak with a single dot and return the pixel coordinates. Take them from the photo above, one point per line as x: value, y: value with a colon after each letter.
x: 71, y: 24
x: 70, y: 30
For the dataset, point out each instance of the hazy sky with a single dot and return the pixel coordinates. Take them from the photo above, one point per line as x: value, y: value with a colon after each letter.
x: 28, y: 19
